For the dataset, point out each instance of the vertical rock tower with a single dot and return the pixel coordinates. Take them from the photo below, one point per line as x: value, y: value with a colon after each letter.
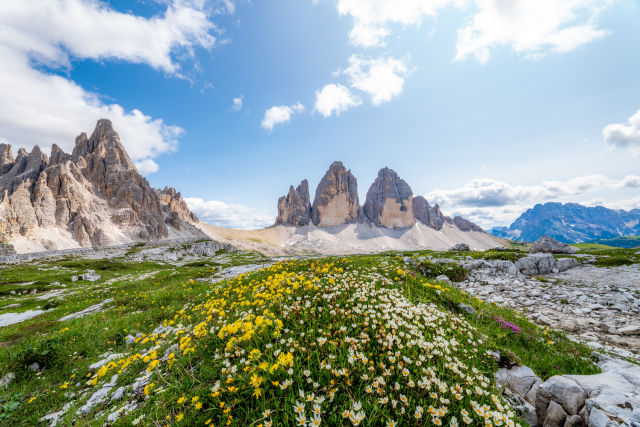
x: 389, y: 201
x: 336, y: 201
x: 295, y: 207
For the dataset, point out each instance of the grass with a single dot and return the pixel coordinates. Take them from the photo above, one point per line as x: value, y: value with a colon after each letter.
x: 339, y: 338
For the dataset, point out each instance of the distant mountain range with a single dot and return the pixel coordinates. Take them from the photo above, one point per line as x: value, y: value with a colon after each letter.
x: 571, y: 223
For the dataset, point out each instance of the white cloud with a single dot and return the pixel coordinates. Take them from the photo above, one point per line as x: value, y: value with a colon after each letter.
x: 624, y: 134
x: 237, y: 103
x: 40, y: 108
x: 492, y: 193
x: 373, y: 17
x: 381, y: 78
x: 531, y: 27
x: 334, y: 98
x: 280, y: 114
x: 146, y: 166
x: 52, y: 31
x: 228, y: 214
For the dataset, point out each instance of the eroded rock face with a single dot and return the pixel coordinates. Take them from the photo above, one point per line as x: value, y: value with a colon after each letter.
x: 547, y: 244
x: 336, y: 201
x: 430, y: 216
x: 95, y: 195
x: 389, y: 201
x: 295, y: 207
x: 172, y: 201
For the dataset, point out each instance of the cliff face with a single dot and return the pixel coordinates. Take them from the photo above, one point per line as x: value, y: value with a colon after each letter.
x: 94, y: 196
x: 336, y: 201
x: 295, y: 207
x: 389, y: 201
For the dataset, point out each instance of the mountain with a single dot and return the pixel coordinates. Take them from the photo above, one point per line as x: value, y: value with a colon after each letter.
x: 91, y: 197
x: 389, y: 204
x: 571, y: 223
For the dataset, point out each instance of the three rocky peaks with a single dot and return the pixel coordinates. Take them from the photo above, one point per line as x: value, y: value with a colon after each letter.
x: 390, y: 203
x: 93, y: 196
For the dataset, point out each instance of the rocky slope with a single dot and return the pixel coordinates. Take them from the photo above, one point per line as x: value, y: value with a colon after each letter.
x: 571, y: 223
x: 389, y: 204
x: 91, y: 197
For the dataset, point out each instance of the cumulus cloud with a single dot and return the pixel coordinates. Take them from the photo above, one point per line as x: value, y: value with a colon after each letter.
x: 228, y: 214
x: 381, y: 78
x: 492, y: 193
x: 531, y: 27
x: 237, y: 103
x: 334, y: 98
x: 146, y: 166
x: 624, y: 135
x: 280, y: 114
x: 373, y: 17
x: 39, y: 107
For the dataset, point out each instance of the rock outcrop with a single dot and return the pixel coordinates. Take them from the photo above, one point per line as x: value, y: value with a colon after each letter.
x: 428, y: 215
x: 92, y: 197
x: 546, y: 244
x: 172, y: 202
x: 336, y: 201
x: 389, y: 201
x: 295, y: 207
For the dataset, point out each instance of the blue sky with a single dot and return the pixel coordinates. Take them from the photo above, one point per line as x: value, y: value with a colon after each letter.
x: 485, y: 106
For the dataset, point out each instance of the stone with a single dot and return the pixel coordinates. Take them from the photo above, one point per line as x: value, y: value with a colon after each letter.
x: 521, y: 379
x: 574, y: 421
x: 555, y: 415
x: 295, y: 208
x: 563, y: 264
x: 562, y: 390
x: 466, y: 225
x: 460, y: 247
x: 443, y: 278
x: 336, y: 199
x: 389, y: 201
x: 8, y: 378
x: 467, y: 308
x: 90, y: 276
x: 629, y: 330
x: 536, y: 264
x: 34, y: 367
x: 548, y: 244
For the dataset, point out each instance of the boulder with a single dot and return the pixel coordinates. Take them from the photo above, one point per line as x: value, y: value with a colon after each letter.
x: 389, y: 201
x: 562, y: 391
x: 547, y: 244
x: 536, y: 264
x: 555, y: 415
x: 295, y: 208
x: 336, y: 200
x: 460, y: 247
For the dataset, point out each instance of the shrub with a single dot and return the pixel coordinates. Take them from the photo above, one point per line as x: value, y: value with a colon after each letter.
x: 432, y: 270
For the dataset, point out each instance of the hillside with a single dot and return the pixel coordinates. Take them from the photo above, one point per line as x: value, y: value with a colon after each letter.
x: 236, y: 338
x: 571, y: 223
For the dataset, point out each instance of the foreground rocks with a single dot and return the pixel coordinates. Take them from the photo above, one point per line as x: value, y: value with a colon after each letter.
x: 547, y: 244
x: 598, y: 306
x: 611, y: 398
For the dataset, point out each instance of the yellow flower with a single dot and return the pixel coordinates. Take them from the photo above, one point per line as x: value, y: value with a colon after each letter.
x: 64, y: 386
x: 179, y: 417
x: 198, y: 406
x: 181, y: 400
x: 32, y: 399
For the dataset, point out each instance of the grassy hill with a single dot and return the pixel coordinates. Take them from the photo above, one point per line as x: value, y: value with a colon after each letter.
x: 356, y: 340
x: 620, y: 242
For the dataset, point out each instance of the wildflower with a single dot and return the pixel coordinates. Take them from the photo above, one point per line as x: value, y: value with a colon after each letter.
x: 32, y: 399
x: 181, y: 400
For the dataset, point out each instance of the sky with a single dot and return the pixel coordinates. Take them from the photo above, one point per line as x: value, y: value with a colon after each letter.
x: 486, y: 107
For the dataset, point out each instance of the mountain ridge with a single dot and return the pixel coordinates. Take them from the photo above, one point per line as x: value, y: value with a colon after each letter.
x: 571, y: 223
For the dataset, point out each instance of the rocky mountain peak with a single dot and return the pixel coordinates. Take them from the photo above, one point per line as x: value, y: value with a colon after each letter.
x: 336, y: 200
x: 94, y: 197
x: 389, y: 201
x: 295, y: 207
x: 430, y: 216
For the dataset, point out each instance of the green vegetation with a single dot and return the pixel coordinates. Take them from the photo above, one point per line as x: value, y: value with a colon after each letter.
x: 242, y: 350
x: 628, y: 242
